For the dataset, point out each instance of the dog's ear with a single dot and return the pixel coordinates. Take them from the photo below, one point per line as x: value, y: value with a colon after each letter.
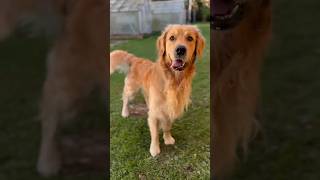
x: 200, y: 44
x: 161, y: 43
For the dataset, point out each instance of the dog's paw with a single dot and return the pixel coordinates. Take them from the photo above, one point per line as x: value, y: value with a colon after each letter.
x: 154, y: 150
x: 125, y: 113
x: 169, y: 140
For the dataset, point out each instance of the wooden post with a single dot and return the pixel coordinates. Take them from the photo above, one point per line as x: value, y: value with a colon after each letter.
x: 189, y: 11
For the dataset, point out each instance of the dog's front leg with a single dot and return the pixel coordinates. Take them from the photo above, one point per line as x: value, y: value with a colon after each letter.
x: 166, y: 127
x: 153, y: 126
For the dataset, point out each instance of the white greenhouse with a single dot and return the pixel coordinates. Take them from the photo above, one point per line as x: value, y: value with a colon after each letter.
x: 130, y: 17
x: 139, y: 17
x: 167, y: 12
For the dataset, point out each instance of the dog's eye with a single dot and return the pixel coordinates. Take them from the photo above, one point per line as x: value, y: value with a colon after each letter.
x: 172, y: 38
x: 189, y: 38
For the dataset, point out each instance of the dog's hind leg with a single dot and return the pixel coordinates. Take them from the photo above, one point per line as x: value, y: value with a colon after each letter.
x: 129, y: 90
x: 57, y: 104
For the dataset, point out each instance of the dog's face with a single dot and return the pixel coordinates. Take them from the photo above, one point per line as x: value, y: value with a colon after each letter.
x: 180, y: 45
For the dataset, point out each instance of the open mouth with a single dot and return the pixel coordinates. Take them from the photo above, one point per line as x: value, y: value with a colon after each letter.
x: 226, y: 14
x: 178, y: 65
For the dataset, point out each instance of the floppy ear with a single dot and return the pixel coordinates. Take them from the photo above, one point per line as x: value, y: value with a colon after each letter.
x: 200, y: 43
x: 161, y: 43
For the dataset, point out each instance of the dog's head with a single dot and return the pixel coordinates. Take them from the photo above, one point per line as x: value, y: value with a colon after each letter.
x: 180, y: 45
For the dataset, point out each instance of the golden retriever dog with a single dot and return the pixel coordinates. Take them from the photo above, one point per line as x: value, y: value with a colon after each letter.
x: 166, y: 83
x: 75, y: 65
x: 241, y: 33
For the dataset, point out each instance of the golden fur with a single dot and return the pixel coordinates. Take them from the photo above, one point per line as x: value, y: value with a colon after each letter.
x: 76, y: 62
x: 166, y: 91
x: 237, y: 57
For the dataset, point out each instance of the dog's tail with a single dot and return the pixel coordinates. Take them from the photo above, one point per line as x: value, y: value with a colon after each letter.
x: 120, y: 61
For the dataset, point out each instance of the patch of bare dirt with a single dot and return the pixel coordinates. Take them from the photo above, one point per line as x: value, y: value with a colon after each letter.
x: 138, y: 110
x: 84, y: 153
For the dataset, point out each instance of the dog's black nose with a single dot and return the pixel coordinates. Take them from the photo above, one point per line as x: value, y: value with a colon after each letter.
x: 181, y: 50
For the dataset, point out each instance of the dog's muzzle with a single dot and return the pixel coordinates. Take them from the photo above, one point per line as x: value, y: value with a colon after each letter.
x: 178, y: 63
x: 181, y: 51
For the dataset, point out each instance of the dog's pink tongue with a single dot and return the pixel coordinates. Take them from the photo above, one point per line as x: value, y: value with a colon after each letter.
x: 177, y: 63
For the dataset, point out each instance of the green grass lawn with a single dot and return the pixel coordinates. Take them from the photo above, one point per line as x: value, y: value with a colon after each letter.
x: 130, y: 139
x: 290, y: 148
x: 22, y: 72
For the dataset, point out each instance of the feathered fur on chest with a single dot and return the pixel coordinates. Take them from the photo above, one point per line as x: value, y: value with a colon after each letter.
x: 178, y: 91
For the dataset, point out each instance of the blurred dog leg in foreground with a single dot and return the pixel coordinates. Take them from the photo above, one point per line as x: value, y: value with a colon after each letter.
x: 75, y: 65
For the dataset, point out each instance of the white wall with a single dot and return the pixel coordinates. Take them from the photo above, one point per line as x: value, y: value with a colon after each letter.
x: 125, y: 23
